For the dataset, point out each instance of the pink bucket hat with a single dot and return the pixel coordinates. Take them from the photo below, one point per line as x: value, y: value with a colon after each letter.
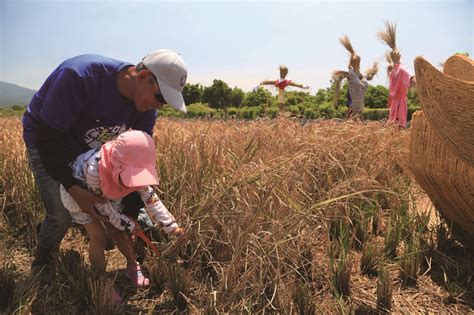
x: 127, y: 163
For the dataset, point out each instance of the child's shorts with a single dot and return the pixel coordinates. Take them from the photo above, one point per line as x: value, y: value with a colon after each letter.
x: 77, y: 215
x: 111, y: 210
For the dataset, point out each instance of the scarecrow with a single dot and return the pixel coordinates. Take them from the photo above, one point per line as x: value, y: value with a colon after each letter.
x: 357, y: 83
x: 400, y: 78
x: 281, y: 84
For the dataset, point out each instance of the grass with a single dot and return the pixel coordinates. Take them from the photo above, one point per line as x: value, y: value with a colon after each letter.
x: 273, y: 210
x: 384, y: 290
x: 340, y: 263
x: 370, y: 260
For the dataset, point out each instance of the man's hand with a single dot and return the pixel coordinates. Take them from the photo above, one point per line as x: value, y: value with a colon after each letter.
x: 86, y: 200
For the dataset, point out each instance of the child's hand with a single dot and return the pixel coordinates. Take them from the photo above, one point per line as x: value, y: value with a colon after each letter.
x: 177, y: 232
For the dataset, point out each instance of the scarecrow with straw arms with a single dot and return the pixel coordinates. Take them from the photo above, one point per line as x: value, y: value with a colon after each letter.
x: 357, y: 83
x: 400, y: 78
x: 281, y: 84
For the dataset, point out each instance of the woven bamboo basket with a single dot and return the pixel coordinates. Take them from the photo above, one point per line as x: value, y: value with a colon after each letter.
x: 460, y: 67
x: 448, y: 103
x: 447, y: 179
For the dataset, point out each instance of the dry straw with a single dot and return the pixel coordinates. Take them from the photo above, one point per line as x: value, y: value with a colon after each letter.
x: 389, y: 37
x: 372, y: 71
x: 354, y: 61
x: 448, y: 104
x: 442, y: 173
x: 254, y: 196
x: 390, y: 63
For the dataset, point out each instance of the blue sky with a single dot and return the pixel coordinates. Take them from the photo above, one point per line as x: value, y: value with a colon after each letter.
x: 240, y: 42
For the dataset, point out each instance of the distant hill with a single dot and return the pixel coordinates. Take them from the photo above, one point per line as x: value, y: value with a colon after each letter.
x: 12, y: 94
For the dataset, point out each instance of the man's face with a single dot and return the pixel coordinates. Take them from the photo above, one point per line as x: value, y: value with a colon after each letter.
x: 148, y: 94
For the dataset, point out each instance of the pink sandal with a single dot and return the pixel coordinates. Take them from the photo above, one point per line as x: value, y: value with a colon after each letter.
x: 135, y: 274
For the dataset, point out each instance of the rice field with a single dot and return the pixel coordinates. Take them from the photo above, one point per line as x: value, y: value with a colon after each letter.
x: 281, y: 217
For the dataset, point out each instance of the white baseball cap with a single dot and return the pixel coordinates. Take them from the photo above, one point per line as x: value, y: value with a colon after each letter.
x: 170, y: 72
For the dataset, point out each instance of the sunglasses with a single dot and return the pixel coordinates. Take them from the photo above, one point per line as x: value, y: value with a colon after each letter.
x: 159, y: 97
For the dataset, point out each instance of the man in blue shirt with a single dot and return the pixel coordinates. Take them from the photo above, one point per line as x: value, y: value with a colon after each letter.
x: 86, y: 101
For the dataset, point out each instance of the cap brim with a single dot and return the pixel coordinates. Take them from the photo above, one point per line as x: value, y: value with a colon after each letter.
x: 172, y: 97
x: 138, y: 177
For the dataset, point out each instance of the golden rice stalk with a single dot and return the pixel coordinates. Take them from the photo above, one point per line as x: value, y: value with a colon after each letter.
x: 372, y: 71
x: 339, y: 75
x: 346, y: 42
x: 390, y: 62
x: 389, y: 35
x: 389, y: 59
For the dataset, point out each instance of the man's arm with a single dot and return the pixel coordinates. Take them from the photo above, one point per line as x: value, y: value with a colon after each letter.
x: 52, y: 146
x: 62, y: 106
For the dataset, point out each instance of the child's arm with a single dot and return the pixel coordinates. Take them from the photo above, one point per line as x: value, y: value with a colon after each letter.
x: 158, y: 212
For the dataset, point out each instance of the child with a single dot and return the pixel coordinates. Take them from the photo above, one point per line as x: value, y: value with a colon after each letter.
x: 120, y: 167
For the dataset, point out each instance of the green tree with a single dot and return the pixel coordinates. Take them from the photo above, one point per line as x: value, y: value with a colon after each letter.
x: 321, y: 96
x: 260, y: 97
x: 218, y: 95
x: 236, y: 97
x: 342, y: 99
x: 298, y: 97
x: 376, y: 97
x: 19, y: 107
x: 192, y: 93
x: 413, y: 98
